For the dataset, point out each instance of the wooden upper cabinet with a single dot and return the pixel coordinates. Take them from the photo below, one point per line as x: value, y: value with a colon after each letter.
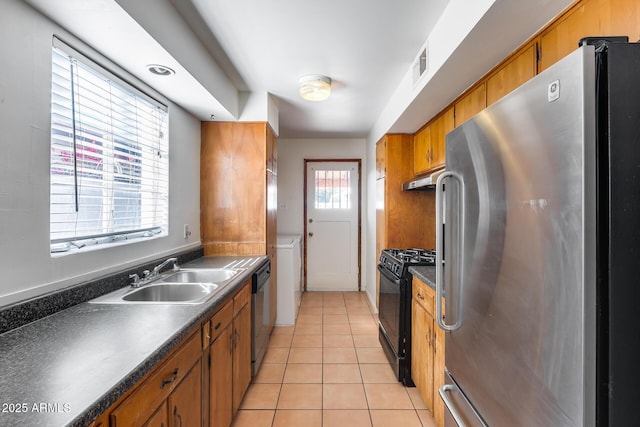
x: 401, y: 220
x: 588, y: 18
x: 422, y: 150
x: 518, y: 70
x: 238, y: 188
x: 470, y: 104
x: 625, y: 18
x: 429, y: 143
x: 439, y: 130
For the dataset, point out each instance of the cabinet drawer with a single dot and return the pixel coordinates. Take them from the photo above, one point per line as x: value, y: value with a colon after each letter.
x: 425, y: 296
x: 220, y: 320
x: 143, y: 402
x: 242, y: 298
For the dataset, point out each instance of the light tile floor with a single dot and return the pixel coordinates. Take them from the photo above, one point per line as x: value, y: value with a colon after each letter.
x: 330, y: 371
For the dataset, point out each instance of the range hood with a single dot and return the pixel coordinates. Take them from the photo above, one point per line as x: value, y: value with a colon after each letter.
x: 423, y: 183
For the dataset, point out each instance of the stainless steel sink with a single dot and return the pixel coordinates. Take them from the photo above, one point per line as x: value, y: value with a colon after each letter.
x: 204, y: 275
x: 172, y: 292
x: 188, y: 286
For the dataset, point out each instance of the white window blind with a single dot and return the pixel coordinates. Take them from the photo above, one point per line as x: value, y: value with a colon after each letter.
x: 109, y: 157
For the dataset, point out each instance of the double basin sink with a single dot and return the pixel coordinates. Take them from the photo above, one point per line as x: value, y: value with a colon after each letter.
x: 186, y: 286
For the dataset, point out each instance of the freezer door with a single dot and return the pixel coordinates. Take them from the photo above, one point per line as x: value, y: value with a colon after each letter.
x: 517, y: 286
x: 458, y: 409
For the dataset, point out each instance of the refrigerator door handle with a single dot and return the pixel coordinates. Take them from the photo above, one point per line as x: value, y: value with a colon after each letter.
x: 440, y: 247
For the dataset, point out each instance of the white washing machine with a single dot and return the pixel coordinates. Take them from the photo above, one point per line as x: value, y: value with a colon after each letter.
x: 289, y: 278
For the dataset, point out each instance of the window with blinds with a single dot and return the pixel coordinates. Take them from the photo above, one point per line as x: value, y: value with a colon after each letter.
x: 109, y: 157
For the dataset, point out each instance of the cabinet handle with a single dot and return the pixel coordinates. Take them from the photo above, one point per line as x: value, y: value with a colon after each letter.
x: 170, y: 380
x: 236, y: 337
x: 217, y: 326
x: 420, y: 296
x: 176, y: 415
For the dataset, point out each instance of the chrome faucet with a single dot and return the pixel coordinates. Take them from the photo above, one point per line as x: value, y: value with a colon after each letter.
x: 150, y: 275
x: 157, y: 268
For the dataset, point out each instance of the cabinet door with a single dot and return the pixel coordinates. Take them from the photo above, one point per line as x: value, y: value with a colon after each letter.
x: 221, y: 379
x: 439, y: 130
x: 418, y: 319
x: 625, y: 18
x: 422, y: 151
x: 589, y: 18
x: 185, y: 402
x: 422, y: 352
x: 517, y: 71
x: 142, y: 403
x: 470, y: 104
x: 241, y: 355
x: 233, y: 155
x: 159, y: 419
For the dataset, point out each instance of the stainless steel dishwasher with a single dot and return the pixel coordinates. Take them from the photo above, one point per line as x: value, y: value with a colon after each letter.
x: 260, y: 315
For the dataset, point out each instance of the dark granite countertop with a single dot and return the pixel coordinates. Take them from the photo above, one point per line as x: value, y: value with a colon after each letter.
x: 425, y: 273
x: 68, y: 368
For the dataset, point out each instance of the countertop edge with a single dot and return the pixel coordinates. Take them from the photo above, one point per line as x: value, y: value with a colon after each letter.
x: 426, y: 274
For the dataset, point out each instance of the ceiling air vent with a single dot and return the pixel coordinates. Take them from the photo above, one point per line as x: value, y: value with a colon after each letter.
x: 421, y: 63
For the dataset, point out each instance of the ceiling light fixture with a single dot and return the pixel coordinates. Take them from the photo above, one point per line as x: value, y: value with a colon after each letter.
x: 315, y: 87
x: 160, y: 70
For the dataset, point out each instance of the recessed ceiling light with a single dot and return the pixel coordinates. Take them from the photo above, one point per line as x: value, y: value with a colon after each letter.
x: 160, y: 70
x: 315, y: 87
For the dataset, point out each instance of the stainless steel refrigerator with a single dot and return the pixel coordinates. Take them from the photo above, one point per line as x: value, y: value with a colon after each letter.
x: 541, y: 207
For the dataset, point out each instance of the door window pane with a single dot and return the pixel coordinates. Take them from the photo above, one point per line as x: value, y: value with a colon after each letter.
x: 333, y: 189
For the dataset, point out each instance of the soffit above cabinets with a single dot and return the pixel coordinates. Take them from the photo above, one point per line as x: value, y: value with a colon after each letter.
x: 227, y: 51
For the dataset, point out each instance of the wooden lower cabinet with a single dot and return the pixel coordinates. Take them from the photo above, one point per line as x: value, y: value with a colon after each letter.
x: 422, y: 351
x: 185, y: 403
x: 221, y: 380
x: 230, y: 358
x: 175, y: 386
x: 160, y: 418
x: 241, y: 355
x: 427, y: 349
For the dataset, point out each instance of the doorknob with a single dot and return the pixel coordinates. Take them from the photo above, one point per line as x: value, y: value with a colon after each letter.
x: 310, y: 234
x: 310, y: 220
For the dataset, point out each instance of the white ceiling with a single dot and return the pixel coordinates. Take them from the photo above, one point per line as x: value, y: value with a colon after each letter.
x: 224, y: 49
x: 364, y: 46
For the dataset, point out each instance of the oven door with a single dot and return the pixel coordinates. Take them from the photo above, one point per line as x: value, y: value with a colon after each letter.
x: 390, y: 305
x: 395, y: 323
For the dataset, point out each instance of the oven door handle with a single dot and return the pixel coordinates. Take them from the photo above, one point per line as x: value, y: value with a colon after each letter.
x: 388, y: 275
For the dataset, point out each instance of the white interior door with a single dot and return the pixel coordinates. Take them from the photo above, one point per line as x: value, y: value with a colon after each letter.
x: 332, y: 226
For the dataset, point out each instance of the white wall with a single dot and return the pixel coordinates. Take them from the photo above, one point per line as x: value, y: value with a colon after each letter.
x: 291, y: 156
x: 26, y: 266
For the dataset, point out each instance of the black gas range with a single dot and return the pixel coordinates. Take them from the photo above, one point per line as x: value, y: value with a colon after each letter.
x: 398, y: 261
x: 395, y: 305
